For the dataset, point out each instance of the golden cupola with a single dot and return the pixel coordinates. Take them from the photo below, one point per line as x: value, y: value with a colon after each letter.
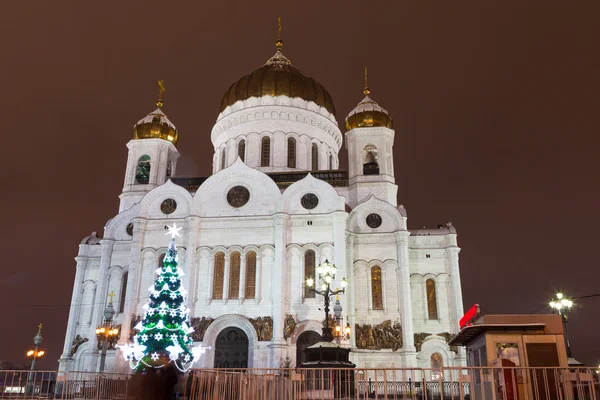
x: 156, y: 125
x: 278, y: 77
x: 368, y: 113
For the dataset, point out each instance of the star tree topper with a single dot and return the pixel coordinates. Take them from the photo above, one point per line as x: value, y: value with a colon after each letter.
x: 173, y: 230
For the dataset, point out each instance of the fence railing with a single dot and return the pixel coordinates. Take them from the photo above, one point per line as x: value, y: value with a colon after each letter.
x: 413, y: 384
x: 317, y: 384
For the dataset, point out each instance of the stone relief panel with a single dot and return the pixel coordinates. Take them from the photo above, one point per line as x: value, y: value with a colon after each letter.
x: 78, y: 341
x: 263, y: 327
x: 386, y: 335
x: 289, y: 326
x: 200, y: 325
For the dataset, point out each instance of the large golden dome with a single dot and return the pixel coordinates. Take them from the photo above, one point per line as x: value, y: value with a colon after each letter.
x: 156, y: 125
x: 278, y: 77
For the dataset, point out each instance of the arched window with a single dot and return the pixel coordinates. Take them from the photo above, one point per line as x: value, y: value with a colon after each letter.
x: 431, y: 299
x: 437, y: 363
x: 330, y: 161
x: 371, y: 165
x: 242, y: 149
x: 223, y: 159
x: 219, y: 274
x: 376, y: 292
x: 315, y: 157
x: 250, y: 291
x: 309, y: 271
x: 123, y: 291
x: 234, y: 276
x: 291, y: 153
x: 142, y: 171
x: 265, y: 152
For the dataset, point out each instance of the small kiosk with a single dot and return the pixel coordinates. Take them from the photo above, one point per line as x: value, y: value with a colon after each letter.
x: 523, y: 353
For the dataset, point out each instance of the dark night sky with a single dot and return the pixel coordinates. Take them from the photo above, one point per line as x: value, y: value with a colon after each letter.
x: 495, y: 107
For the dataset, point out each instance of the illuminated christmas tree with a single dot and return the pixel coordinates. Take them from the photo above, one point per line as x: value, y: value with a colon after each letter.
x: 164, y: 333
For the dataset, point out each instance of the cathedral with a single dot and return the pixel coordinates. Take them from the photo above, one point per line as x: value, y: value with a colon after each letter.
x: 275, y: 175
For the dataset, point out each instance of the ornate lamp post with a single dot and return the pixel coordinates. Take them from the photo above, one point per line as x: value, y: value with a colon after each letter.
x: 562, y: 305
x: 106, y: 333
x: 34, y: 353
x: 326, y: 273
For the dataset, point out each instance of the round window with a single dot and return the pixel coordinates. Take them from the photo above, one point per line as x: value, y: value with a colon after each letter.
x: 374, y: 220
x: 309, y: 201
x: 238, y: 196
x: 168, y: 206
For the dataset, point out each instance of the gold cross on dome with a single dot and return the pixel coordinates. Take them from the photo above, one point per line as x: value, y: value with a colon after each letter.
x: 39, y: 328
x: 161, y: 90
x: 366, y: 91
x: 279, y: 42
x: 111, y: 295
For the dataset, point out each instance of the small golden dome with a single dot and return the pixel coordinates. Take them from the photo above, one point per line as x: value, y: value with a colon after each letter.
x: 278, y: 77
x: 367, y: 114
x: 156, y: 125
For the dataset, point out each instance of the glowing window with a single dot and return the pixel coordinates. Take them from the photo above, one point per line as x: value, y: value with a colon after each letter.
x: 431, y: 299
x: 250, y: 275
x: 219, y: 275
x: 376, y: 292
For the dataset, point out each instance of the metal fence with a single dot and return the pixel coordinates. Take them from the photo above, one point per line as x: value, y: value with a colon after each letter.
x: 413, y: 384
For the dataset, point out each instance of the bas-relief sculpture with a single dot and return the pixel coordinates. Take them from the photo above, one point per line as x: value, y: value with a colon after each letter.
x: 420, y: 338
x: 263, y: 327
x: 78, y: 341
x: 289, y: 326
x: 382, y: 336
x: 200, y: 325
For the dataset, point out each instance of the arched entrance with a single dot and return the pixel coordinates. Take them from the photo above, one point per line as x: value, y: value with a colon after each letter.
x: 231, y: 349
x: 306, y: 339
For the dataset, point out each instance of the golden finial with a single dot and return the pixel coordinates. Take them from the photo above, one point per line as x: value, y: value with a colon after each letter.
x: 111, y: 295
x: 366, y: 90
x: 161, y: 90
x: 39, y: 328
x: 279, y: 42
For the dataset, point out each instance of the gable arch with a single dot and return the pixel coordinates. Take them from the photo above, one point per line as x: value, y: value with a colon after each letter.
x: 227, y: 321
x: 391, y: 219
x: 210, y: 200
x: 150, y: 206
x: 329, y: 200
x: 116, y: 228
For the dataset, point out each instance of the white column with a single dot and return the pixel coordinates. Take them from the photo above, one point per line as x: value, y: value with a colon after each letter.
x: 76, y: 299
x: 260, y: 260
x: 191, y: 261
x: 452, y: 255
x: 226, y: 278
x: 100, y: 298
x: 242, y: 294
x: 338, y: 220
x: 135, y: 268
x: 352, y: 288
x: 278, y: 285
x: 403, y: 275
x: 279, y: 153
x: 323, y: 157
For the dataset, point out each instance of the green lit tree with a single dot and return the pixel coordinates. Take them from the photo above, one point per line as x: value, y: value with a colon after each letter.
x: 164, y: 333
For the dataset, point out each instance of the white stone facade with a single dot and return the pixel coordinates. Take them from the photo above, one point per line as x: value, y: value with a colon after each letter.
x: 279, y: 230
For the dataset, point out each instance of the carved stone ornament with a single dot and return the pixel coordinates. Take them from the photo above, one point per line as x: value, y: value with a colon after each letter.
x: 382, y: 336
x: 168, y: 206
x: 78, y: 341
x: 263, y: 327
x: 419, y: 339
x: 289, y: 326
x: 374, y: 220
x: 129, y: 229
x: 238, y: 196
x: 135, y: 319
x: 309, y: 201
x: 200, y: 325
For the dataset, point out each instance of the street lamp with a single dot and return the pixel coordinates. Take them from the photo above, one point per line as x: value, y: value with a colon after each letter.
x: 106, y: 333
x: 35, y: 353
x: 562, y: 305
x: 326, y: 273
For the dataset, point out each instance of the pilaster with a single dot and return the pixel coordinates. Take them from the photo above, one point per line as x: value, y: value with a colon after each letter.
x: 74, y: 312
x: 405, y: 293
